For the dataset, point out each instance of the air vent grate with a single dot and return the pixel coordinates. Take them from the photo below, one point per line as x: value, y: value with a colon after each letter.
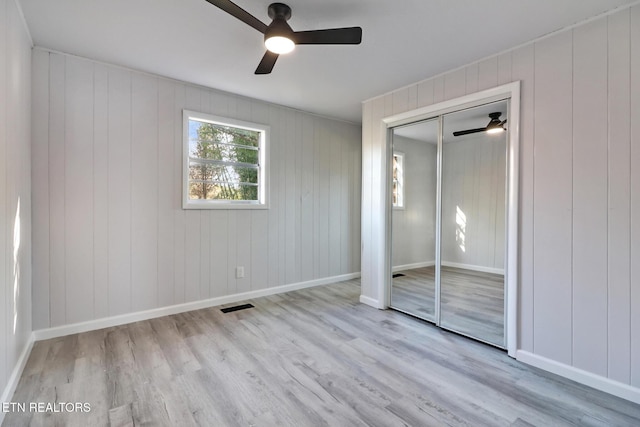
x: 236, y: 308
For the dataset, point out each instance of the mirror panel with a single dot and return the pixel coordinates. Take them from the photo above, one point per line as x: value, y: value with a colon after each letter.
x: 473, y: 224
x: 413, y: 219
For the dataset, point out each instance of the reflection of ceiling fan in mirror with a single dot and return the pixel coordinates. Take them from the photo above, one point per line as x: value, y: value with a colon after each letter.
x: 494, y: 126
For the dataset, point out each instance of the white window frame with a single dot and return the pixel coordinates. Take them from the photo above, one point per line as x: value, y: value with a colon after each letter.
x: 399, y: 205
x: 263, y: 163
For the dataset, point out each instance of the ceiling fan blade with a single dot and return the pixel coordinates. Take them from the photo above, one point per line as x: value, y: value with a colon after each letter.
x: 467, y: 132
x: 267, y: 63
x: 350, y: 35
x: 238, y: 12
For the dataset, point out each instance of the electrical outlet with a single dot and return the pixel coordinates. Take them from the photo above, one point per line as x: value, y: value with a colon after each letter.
x: 239, y: 272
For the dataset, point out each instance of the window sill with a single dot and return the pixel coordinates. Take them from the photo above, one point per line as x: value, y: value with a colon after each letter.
x: 223, y: 205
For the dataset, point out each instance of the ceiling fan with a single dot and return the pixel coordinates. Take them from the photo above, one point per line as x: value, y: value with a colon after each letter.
x: 279, y: 38
x: 494, y: 126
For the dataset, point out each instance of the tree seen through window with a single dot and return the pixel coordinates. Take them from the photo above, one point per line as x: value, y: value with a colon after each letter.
x: 223, y: 162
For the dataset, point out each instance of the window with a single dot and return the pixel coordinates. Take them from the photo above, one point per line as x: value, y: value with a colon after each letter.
x: 225, y: 163
x: 398, y: 180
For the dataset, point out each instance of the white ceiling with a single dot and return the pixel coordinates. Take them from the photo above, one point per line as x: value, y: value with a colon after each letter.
x: 403, y: 42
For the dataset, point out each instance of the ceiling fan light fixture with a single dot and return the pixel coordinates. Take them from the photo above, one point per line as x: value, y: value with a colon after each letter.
x: 279, y: 44
x: 495, y: 129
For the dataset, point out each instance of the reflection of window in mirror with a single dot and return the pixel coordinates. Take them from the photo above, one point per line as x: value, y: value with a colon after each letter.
x: 398, y: 180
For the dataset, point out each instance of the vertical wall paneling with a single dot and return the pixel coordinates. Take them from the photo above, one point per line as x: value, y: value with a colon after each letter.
x: 290, y: 179
x: 259, y: 247
x: 205, y: 255
x: 345, y: 163
x: 307, y: 255
x: 281, y: 234
x: 276, y: 151
x: 590, y: 197
x: 425, y: 93
x: 388, y: 104
x: 618, y: 309
x: 144, y: 193
x: 356, y: 200
x: 634, y: 300
x: 324, y: 195
x: 400, y: 100
x: 298, y: 196
x: 455, y: 84
x: 192, y: 257
x: 40, y: 179
x: 368, y: 121
x: 57, y: 279
x: 378, y: 164
x: 5, y: 364
x: 504, y: 68
x: 335, y: 190
x: 179, y: 215
x: 488, y: 73
x: 15, y: 190
x: 438, y: 90
x: 523, y: 70
x: 243, y: 249
x: 553, y: 198
x: 9, y: 184
x: 219, y: 254
x: 119, y: 190
x: 167, y: 196
x: 471, y: 78
x: 100, y: 190
x: 413, y: 97
x: 78, y: 176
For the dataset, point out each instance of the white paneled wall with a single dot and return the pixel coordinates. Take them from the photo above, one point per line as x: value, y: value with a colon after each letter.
x: 111, y: 235
x: 15, y: 194
x: 579, y: 287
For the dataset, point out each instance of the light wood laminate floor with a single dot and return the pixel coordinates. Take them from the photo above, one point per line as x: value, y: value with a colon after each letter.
x: 472, y: 302
x: 314, y: 357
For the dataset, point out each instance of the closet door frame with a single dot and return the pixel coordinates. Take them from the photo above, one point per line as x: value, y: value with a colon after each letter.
x: 510, y: 92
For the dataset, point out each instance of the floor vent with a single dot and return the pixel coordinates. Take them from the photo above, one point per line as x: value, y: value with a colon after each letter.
x: 398, y: 275
x: 236, y: 308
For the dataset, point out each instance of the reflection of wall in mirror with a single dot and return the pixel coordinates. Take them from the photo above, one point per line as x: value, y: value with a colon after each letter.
x: 413, y: 226
x: 473, y: 202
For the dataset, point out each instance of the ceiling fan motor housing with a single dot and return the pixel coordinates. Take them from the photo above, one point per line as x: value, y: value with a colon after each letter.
x: 279, y: 11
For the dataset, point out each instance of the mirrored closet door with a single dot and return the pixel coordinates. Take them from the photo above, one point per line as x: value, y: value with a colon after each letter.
x: 448, y: 224
x: 413, y: 251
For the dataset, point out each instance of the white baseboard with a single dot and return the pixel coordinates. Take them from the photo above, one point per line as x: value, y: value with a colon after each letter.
x: 412, y: 266
x: 8, y: 391
x: 107, y: 322
x: 480, y: 268
x: 370, y: 302
x: 598, y: 382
